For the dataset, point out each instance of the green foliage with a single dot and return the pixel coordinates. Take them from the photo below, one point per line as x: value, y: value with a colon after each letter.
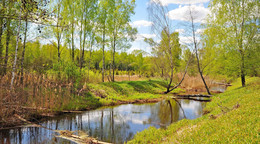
x: 231, y: 38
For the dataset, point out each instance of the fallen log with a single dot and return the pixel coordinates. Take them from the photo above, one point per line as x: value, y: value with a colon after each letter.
x: 194, y: 99
x: 195, y: 95
x: 79, y: 139
x: 225, y: 84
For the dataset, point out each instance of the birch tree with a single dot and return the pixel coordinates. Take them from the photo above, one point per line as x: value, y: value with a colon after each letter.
x: 237, y: 23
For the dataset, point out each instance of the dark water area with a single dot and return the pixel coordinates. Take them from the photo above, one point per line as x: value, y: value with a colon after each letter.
x: 116, y: 124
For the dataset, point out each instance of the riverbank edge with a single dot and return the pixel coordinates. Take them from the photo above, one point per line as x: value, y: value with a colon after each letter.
x: 232, y: 116
x: 113, y: 97
x: 42, y: 116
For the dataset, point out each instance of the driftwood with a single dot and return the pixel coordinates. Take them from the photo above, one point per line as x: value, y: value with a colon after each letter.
x: 195, y: 95
x: 194, y: 99
x: 225, y: 84
x: 82, y: 139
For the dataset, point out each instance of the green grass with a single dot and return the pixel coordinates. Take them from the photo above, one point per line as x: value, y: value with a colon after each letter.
x: 225, y: 123
x: 110, y: 93
x: 82, y: 103
x: 128, y: 91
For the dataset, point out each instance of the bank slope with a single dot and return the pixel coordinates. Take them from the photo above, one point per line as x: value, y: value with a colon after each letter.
x: 231, y: 117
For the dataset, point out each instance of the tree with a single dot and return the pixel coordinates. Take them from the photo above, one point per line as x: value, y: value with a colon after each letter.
x: 2, y: 11
x: 192, y: 17
x: 87, y: 13
x: 238, y: 24
x: 58, y: 30
x: 8, y: 35
x: 104, y: 10
x: 71, y: 7
x: 16, y: 49
x: 121, y: 33
x: 163, y: 28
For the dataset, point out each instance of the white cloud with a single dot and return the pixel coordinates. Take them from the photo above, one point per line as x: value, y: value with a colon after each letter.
x: 188, y: 39
x: 199, y: 31
x: 198, y: 13
x: 141, y: 23
x: 167, y: 2
x: 143, y: 36
x: 181, y: 31
x: 185, y: 40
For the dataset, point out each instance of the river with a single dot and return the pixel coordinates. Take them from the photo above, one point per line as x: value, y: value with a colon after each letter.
x: 117, y: 124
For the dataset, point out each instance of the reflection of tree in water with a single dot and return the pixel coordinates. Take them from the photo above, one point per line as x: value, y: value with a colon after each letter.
x: 164, y: 113
x: 169, y: 111
x: 106, y: 129
x: 113, y: 124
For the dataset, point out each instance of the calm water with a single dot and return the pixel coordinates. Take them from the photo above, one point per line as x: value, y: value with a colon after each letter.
x: 111, y: 124
x: 219, y: 88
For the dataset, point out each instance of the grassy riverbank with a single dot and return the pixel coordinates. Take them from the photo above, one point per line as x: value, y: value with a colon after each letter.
x: 231, y: 117
x: 50, y: 100
x: 120, y: 92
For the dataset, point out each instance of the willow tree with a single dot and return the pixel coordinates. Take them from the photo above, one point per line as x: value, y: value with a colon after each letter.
x: 237, y: 23
x: 169, y: 46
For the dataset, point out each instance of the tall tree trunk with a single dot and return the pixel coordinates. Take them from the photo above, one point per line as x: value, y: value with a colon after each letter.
x: 162, y: 73
x: 16, y: 50
x: 242, y: 68
x: 82, y: 45
x: 72, y: 40
x: 201, y: 74
x: 1, y: 33
x: 58, y: 47
x: 24, y: 44
x: 113, y: 63
x: 58, y: 33
x: 243, y: 79
x: 103, y: 49
x: 7, y: 44
x: 196, y: 52
x: 171, y: 61
x: 185, y: 72
x: 90, y: 56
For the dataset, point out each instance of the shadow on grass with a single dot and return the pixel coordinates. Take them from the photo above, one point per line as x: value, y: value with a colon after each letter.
x: 83, y: 102
x: 117, y: 87
x: 147, y: 86
x: 125, y: 87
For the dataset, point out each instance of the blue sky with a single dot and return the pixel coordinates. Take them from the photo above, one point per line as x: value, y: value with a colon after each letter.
x: 177, y: 10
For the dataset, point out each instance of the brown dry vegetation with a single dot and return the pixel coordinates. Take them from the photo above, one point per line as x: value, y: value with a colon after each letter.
x: 37, y: 94
x: 41, y: 95
x: 194, y: 83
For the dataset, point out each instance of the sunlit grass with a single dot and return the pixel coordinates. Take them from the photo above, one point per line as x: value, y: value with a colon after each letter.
x: 234, y: 118
x: 109, y: 92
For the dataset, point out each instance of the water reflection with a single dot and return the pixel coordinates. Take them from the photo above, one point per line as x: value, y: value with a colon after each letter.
x: 111, y: 124
x: 218, y: 88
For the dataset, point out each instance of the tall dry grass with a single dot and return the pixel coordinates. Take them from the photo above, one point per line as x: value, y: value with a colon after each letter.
x: 36, y: 94
x: 194, y: 83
